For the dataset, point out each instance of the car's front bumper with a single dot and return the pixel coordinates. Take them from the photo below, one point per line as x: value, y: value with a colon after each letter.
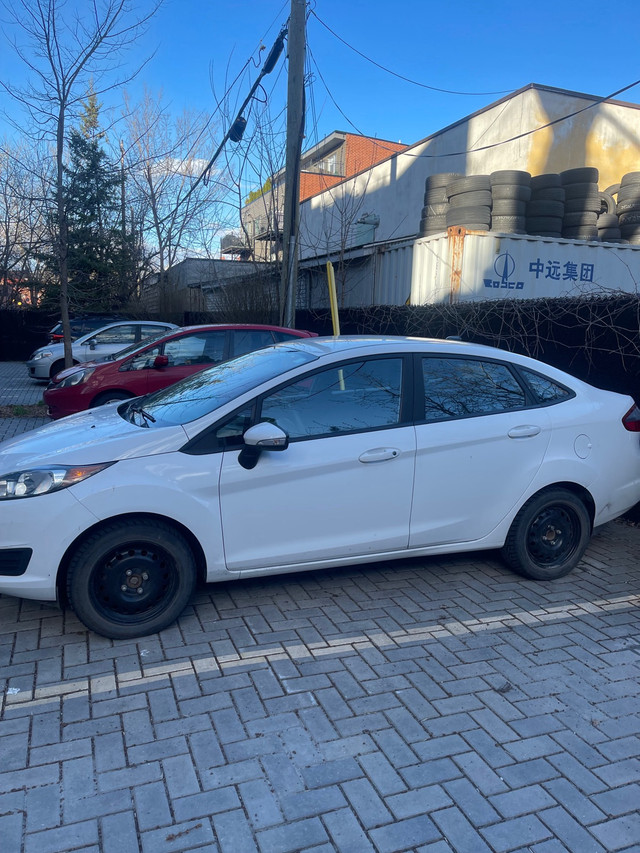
x: 46, y: 525
x: 39, y: 368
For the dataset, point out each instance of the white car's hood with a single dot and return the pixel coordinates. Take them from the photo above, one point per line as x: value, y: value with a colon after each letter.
x: 98, y: 435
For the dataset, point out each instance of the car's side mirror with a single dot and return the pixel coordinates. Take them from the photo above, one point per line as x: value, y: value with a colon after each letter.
x: 161, y: 361
x: 262, y: 436
x: 93, y: 343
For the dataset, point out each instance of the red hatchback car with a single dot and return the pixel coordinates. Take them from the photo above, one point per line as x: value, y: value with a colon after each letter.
x: 158, y: 362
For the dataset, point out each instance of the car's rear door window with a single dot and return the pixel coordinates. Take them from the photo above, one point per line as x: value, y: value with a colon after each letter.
x: 198, y: 348
x: 465, y: 387
x: 248, y: 340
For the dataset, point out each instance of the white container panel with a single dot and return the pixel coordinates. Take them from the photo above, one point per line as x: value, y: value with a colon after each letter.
x: 487, y: 265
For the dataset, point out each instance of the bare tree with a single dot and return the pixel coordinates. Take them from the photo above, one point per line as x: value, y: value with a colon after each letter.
x: 64, y: 49
x: 164, y: 157
x: 24, y: 185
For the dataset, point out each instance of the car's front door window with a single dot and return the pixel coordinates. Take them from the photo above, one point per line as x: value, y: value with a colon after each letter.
x: 358, y: 396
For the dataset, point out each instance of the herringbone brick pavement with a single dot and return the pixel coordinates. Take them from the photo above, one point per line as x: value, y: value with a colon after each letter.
x: 425, y: 705
x: 428, y: 705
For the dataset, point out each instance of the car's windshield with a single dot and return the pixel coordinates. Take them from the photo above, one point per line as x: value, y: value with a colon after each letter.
x: 210, y: 389
x: 139, y: 345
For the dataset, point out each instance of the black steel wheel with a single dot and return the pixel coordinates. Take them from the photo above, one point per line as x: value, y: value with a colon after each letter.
x: 548, y: 536
x: 131, y: 578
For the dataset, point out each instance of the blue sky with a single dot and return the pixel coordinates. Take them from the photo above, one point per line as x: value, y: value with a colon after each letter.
x: 484, y: 47
x: 489, y: 48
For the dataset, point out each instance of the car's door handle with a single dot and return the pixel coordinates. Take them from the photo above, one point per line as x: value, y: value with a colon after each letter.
x: 524, y: 431
x: 379, y: 454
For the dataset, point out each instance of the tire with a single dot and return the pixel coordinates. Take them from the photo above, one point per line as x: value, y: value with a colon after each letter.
x: 435, y: 209
x: 629, y: 178
x: 509, y: 224
x: 585, y: 217
x: 608, y: 220
x: 544, y: 223
x: 480, y: 198
x: 436, y: 196
x: 609, y: 235
x: 629, y: 193
x: 614, y: 189
x: 548, y: 536
x: 550, y: 179
x: 510, y: 176
x: 441, y: 179
x: 548, y: 194
x: 57, y: 366
x: 110, y: 397
x: 515, y: 192
x: 466, y: 215
x: 576, y: 205
x: 545, y: 208
x: 607, y: 203
x: 630, y: 218
x: 581, y: 232
x: 474, y: 183
x: 508, y: 207
x: 630, y: 232
x: 109, y: 568
x: 580, y: 190
x: 580, y: 176
x: 628, y: 205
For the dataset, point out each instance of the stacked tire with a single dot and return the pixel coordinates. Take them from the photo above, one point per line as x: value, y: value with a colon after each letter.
x: 436, y: 203
x: 582, y: 203
x: 469, y: 202
x: 510, y: 192
x: 545, y: 210
x: 628, y: 207
x: 609, y: 228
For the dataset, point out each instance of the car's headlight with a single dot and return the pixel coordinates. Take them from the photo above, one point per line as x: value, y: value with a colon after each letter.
x: 45, y: 353
x: 42, y: 481
x: 75, y: 378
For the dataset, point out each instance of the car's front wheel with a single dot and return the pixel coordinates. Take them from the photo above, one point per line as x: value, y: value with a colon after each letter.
x: 548, y: 536
x: 131, y: 578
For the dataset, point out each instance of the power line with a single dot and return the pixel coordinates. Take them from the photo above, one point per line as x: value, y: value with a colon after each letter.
x: 487, y: 147
x: 395, y: 73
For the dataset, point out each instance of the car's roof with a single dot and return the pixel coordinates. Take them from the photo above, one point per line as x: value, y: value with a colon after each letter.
x: 344, y: 344
x: 94, y: 332
x: 241, y: 326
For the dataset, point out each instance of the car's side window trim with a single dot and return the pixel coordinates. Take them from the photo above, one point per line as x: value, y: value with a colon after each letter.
x: 206, y: 443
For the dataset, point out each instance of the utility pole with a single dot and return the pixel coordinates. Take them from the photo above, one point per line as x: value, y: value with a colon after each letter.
x: 295, y: 132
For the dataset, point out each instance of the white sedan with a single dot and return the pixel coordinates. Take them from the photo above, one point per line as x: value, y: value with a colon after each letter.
x: 46, y: 361
x: 322, y: 452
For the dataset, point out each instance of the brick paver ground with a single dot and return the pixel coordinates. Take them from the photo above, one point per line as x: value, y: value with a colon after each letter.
x: 424, y: 705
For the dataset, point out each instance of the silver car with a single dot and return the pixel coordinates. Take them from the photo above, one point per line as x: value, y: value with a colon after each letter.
x: 46, y: 361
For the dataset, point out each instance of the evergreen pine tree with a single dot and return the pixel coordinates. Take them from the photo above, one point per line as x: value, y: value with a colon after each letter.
x: 100, y: 258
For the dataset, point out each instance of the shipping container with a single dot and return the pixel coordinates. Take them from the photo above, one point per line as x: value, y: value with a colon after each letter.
x: 462, y: 266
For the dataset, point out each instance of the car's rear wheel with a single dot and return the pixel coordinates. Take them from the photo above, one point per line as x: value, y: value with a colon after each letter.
x: 131, y: 578
x: 548, y: 536
x: 111, y: 397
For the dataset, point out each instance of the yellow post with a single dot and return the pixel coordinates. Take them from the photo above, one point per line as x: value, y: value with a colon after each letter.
x: 333, y: 299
